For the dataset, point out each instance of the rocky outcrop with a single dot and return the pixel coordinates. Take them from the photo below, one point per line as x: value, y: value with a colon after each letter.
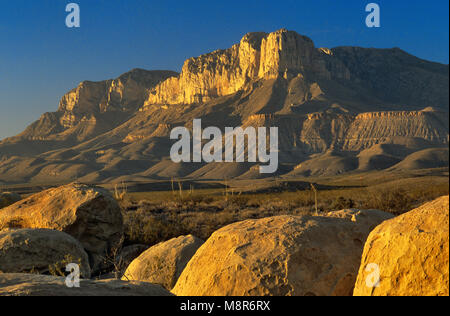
x: 369, y: 129
x: 286, y: 54
x: 348, y: 132
x: 92, y: 108
x: 126, y: 93
x: 163, y: 263
x: 279, y: 256
x: 397, y: 77
x: 258, y: 56
x: 408, y: 255
x: 89, y: 214
x: 8, y: 198
x: 366, y: 219
x: 41, y: 251
x: 41, y: 285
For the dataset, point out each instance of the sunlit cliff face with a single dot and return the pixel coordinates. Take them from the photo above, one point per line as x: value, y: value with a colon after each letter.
x: 257, y: 56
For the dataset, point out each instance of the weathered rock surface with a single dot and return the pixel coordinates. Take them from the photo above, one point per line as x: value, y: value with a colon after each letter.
x: 40, y: 285
x: 93, y: 108
x: 37, y: 250
x: 411, y: 253
x: 369, y: 219
x: 224, y: 72
x: 164, y: 263
x: 8, y: 198
x: 288, y: 55
x: 89, y: 214
x: 279, y: 256
x: 128, y: 92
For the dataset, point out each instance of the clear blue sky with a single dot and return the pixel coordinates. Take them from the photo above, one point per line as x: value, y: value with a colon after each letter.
x: 41, y: 59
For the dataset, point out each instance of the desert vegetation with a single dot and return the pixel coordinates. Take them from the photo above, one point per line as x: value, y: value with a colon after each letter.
x: 153, y: 217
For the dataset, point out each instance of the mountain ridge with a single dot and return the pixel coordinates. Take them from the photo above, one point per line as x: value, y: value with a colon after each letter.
x: 345, y: 99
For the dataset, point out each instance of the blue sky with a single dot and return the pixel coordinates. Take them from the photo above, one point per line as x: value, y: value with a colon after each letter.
x: 41, y: 59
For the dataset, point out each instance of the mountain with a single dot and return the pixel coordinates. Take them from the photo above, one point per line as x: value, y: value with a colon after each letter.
x: 340, y: 110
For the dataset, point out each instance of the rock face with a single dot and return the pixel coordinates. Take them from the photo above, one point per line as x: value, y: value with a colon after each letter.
x: 93, y: 108
x: 224, y: 72
x: 40, y: 285
x: 126, y: 93
x: 411, y: 254
x: 279, y: 256
x: 288, y: 55
x: 87, y: 213
x: 382, y: 70
x: 164, y: 263
x: 37, y: 250
x: 8, y: 198
x: 369, y: 219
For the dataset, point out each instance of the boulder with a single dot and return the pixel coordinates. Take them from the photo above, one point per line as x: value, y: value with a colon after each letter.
x: 89, y: 214
x: 41, y: 285
x: 8, y: 198
x: 369, y: 219
x: 41, y: 251
x: 164, y: 263
x: 408, y: 255
x: 277, y: 256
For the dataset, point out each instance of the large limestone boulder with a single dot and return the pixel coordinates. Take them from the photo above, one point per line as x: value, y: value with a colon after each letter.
x: 8, y: 198
x: 41, y: 285
x: 279, y: 256
x: 89, y: 214
x: 164, y: 263
x: 41, y: 251
x: 408, y: 255
x: 369, y: 219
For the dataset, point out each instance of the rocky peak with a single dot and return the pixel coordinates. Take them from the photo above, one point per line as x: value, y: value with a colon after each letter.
x: 223, y: 72
x: 126, y: 93
x: 83, y: 98
x: 390, y: 75
x: 397, y: 77
x: 286, y: 51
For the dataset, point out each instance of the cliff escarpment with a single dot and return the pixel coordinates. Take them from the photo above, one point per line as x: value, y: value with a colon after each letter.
x: 339, y: 110
x: 257, y: 56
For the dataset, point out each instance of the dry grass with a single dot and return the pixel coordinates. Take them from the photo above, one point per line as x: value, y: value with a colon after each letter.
x: 120, y: 192
x: 158, y: 216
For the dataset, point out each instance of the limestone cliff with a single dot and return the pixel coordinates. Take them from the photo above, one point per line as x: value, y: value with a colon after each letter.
x: 126, y: 93
x: 386, y: 75
x: 318, y: 132
x: 257, y: 56
x: 93, y: 108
